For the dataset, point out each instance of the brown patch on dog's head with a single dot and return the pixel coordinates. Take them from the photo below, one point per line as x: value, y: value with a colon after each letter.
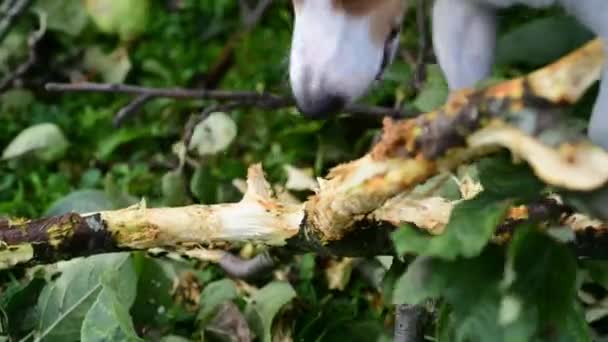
x: 385, y: 14
x: 297, y: 4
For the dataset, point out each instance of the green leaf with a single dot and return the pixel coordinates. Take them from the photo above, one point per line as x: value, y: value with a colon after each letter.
x: 154, y: 304
x: 332, y: 313
x: 389, y: 281
x: 109, y: 318
x: 113, y: 67
x: 419, y: 282
x: 214, y: 295
x: 480, y: 322
x: 575, y: 328
x: 559, y: 35
x: 109, y: 144
x: 81, y: 201
x: 434, y: 91
x: 265, y: 304
x: 471, y: 226
x: 65, y: 301
x: 46, y: 141
x: 443, y: 328
x: 598, y: 271
x: 16, y: 100
x: 18, y: 302
x: 213, y: 135
x: 173, y: 186
x: 355, y: 331
x: 471, y: 287
x: 127, y: 18
x: 504, y: 179
x: 203, y: 185
x: 544, y: 274
x: 67, y: 16
x: 13, y: 47
x: 307, y: 266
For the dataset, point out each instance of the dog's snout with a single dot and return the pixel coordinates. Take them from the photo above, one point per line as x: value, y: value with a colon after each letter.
x: 315, y: 98
x: 321, y: 106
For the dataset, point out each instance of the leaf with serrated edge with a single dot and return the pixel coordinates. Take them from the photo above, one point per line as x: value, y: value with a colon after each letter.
x: 64, y: 302
x: 264, y: 306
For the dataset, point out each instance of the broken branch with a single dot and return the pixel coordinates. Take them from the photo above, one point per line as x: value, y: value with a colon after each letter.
x: 351, y: 213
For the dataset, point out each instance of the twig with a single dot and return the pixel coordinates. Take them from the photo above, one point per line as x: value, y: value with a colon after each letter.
x: 32, y: 59
x: 127, y: 111
x: 251, y: 16
x: 12, y: 13
x: 266, y: 101
x: 409, y: 323
x: 5, y: 6
x: 420, y: 70
x: 261, y: 265
x: 176, y: 93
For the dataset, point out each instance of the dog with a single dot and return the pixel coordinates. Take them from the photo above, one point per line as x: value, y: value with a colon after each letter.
x: 340, y: 47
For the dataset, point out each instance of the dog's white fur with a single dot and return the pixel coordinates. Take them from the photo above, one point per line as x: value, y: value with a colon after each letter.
x: 464, y: 37
x: 334, y: 53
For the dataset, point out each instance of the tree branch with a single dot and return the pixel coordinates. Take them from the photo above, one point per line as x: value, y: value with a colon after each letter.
x: 355, y: 209
x: 267, y: 101
x: 10, y: 15
x: 23, y: 68
x: 423, y: 44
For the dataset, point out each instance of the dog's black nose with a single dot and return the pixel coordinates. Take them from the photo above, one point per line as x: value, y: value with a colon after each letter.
x: 321, y: 107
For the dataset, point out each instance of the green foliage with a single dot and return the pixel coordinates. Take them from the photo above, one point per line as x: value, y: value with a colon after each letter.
x: 214, y: 295
x: 89, y: 291
x: 81, y: 201
x: 502, y: 179
x: 110, y: 16
x: 65, y: 16
x: 530, y: 298
x: 108, y: 319
x: 521, y: 45
x: 472, y: 224
x: 435, y: 90
x: 265, y: 304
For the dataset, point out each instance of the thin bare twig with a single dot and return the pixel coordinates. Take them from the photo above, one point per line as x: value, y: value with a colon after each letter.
x: 261, y: 265
x: 251, y: 16
x: 14, y: 10
x: 32, y: 59
x: 127, y: 111
x: 266, y: 101
x: 420, y: 70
